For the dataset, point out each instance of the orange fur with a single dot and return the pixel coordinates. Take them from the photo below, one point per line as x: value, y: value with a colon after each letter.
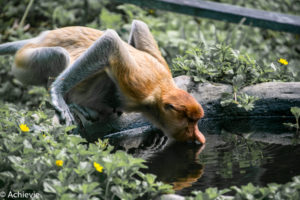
x: 74, y: 39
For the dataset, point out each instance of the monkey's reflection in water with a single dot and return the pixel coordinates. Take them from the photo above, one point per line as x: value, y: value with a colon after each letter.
x: 177, y: 164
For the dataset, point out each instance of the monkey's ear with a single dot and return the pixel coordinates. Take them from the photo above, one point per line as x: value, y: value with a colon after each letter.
x: 141, y: 38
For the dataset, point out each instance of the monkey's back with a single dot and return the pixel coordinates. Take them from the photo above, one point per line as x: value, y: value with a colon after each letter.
x: 74, y: 39
x: 139, y: 82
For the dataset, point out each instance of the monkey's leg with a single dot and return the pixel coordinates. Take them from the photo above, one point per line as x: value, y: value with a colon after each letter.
x: 141, y: 38
x: 107, y: 53
x: 34, y: 66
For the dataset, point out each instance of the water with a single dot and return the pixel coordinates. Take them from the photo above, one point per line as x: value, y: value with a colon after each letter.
x: 259, y: 150
x: 188, y: 169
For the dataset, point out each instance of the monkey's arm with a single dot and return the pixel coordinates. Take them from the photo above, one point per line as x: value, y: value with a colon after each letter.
x: 99, y: 56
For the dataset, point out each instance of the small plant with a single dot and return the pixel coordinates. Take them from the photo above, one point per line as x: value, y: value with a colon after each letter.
x: 296, y: 112
x: 241, y: 101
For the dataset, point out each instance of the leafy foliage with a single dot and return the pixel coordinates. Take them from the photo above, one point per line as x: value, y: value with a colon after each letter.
x: 288, y: 191
x: 220, y: 63
x: 29, y: 161
x: 217, y: 51
x: 175, y: 33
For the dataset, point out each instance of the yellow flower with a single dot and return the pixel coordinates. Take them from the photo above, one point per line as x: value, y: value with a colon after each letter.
x: 283, y: 61
x: 59, y: 163
x: 151, y: 11
x: 98, y: 167
x: 24, y: 127
x: 44, y: 135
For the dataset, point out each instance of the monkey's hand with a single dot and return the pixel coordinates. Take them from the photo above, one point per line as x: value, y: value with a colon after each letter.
x: 62, y: 109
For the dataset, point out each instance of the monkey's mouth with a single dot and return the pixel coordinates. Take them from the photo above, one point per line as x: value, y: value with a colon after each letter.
x: 198, y: 136
x: 184, y: 136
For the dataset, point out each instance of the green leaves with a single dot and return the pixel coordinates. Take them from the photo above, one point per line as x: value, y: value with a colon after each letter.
x: 289, y: 191
x: 83, y: 169
x: 60, y: 166
x: 221, y: 63
x: 108, y: 20
x: 49, y: 187
x: 243, y: 101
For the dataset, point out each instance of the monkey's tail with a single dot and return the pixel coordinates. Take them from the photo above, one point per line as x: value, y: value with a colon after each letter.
x: 12, y: 47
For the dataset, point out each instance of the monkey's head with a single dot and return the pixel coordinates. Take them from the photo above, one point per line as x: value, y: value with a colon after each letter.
x: 179, y: 115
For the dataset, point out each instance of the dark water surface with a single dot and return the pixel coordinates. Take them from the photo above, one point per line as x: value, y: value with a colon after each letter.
x: 225, y: 166
x: 237, y: 152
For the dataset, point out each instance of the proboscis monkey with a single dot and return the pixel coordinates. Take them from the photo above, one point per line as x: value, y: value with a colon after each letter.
x: 98, y: 70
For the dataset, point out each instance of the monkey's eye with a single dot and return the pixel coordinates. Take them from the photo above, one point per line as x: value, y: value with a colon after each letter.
x: 169, y: 106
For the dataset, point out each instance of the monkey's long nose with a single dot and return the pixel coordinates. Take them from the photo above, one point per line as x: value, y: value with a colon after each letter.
x: 198, y: 135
